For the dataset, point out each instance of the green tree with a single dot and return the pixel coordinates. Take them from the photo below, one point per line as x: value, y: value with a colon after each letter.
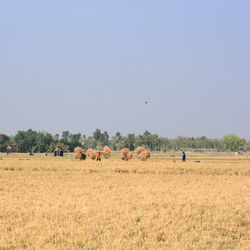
x: 56, y: 138
x: 63, y: 146
x: 65, y: 136
x: 25, y: 140
x: 131, y: 142
x: 42, y: 142
x: 52, y: 147
x: 74, y: 140
x: 91, y: 142
x: 13, y: 145
x: 97, y: 135
x: 116, y: 141
x: 105, y: 138
x: 164, y: 144
x: 4, y: 140
x: 232, y: 142
x: 118, y: 137
x: 102, y: 139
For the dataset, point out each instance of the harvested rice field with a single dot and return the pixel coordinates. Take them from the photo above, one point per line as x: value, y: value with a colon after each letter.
x: 60, y: 203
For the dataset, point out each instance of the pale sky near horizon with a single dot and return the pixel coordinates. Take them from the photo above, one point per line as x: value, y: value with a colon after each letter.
x: 80, y: 65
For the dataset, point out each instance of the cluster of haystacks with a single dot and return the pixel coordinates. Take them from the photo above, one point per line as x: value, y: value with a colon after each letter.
x: 91, y: 154
x: 79, y: 153
x: 138, y: 150
x: 126, y: 154
x: 143, y: 154
x: 106, y: 152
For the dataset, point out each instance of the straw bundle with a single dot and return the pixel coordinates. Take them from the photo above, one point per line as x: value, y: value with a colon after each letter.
x: 124, y: 151
x: 79, y: 153
x: 129, y: 155
x: 138, y: 150
x: 147, y: 152
x: 144, y: 155
x: 106, y: 152
x: 91, y: 154
x: 126, y: 154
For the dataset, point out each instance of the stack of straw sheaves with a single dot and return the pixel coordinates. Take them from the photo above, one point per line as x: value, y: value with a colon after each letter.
x: 143, y: 154
x: 106, y: 152
x: 91, y: 154
x: 126, y: 154
x: 79, y: 153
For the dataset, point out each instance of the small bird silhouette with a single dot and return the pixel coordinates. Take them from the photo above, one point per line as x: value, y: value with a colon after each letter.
x: 146, y: 102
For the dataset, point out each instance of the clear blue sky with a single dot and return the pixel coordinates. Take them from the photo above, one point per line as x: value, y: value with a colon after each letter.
x: 80, y: 65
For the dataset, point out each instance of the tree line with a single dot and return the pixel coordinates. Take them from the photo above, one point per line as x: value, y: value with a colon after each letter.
x: 41, y: 142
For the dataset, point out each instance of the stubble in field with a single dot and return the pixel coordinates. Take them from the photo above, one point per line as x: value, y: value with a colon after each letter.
x: 159, y: 204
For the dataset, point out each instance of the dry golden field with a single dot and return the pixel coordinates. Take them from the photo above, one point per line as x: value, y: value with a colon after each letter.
x: 163, y: 203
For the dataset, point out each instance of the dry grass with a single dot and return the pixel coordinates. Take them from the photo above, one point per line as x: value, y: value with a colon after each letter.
x: 51, y: 203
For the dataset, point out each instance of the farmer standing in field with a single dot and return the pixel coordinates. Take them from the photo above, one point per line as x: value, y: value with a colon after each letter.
x: 98, y: 158
x: 183, y: 156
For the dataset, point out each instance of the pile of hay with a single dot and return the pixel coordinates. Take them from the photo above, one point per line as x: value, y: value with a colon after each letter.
x: 126, y: 154
x: 106, y: 152
x: 144, y: 155
x: 79, y: 153
x: 91, y: 154
x: 138, y: 150
x: 129, y: 155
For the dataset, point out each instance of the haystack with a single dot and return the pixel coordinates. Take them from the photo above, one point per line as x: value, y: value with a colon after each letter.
x: 91, y: 154
x: 147, y: 152
x: 144, y: 155
x: 126, y: 154
x: 106, y: 152
x: 79, y: 153
x: 129, y: 155
x: 138, y: 150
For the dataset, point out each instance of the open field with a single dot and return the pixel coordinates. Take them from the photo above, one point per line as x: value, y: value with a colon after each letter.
x: 61, y: 203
